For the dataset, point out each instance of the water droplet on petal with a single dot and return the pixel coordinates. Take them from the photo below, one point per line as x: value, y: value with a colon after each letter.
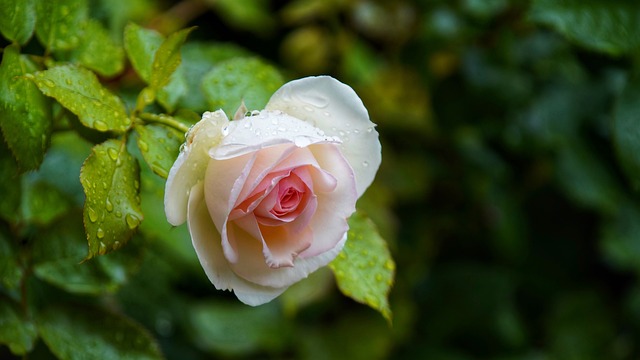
x: 356, y: 131
x: 302, y: 141
x: 369, y: 129
x: 308, y: 108
x: 317, y: 100
x: 365, y: 163
x: 225, y: 131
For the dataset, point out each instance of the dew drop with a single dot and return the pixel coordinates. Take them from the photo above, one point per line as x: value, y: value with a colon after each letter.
x: 378, y: 277
x: 356, y: 131
x: 49, y: 83
x: 327, y: 114
x: 118, y: 213
x: 274, y: 121
x: 93, y: 216
x: 317, y: 100
x: 100, y: 235
x: 225, y: 131
x: 68, y: 81
x: 100, y: 125
x: 143, y: 145
x: 308, y: 108
x: 369, y: 130
x: 113, y: 153
x: 341, y: 133
x: 136, y: 184
x: 109, y: 205
x: 389, y: 265
x: 365, y: 163
x: 281, y: 129
x: 132, y: 221
x: 247, y: 125
x: 255, y: 112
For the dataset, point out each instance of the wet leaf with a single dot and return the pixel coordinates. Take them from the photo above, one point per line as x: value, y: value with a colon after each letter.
x: 9, y: 184
x: 110, y: 178
x: 227, y: 85
x: 80, y: 91
x: 364, y: 269
x: 159, y: 146
x: 167, y: 58
x: 16, y: 331
x: 10, y: 270
x: 18, y: 19
x: 25, y: 114
x: 57, y: 26
x: 77, y: 332
x: 141, y: 45
x: 98, y: 52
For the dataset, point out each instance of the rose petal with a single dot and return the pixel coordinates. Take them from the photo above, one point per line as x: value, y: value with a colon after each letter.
x: 206, y: 241
x: 190, y: 166
x: 334, y: 107
x: 265, y: 129
x: 334, y: 207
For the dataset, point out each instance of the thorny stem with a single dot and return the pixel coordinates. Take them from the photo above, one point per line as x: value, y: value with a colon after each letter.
x: 165, y: 120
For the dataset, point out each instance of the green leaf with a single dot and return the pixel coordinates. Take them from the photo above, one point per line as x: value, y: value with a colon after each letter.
x: 15, y: 330
x: 606, y: 26
x: 18, y: 19
x: 80, y: 91
x: 364, y: 269
x: 170, y: 95
x: 25, y: 115
x: 41, y: 202
x: 198, y: 58
x: 110, y: 178
x: 236, y: 329
x: 620, y: 240
x: 58, y: 23
x: 141, y: 45
x: 167, y: 58
x: 10, y: 270
x: 76, y: 332
x: 98, y: 52
x: 159, y: 146
x: 626, y: 131
x: 250, y: 15
x: 9, y: 184
x: 238, y: 79
x: 58, y: 252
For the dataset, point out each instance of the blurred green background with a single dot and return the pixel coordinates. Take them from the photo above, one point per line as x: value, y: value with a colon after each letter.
x: 507, y: 193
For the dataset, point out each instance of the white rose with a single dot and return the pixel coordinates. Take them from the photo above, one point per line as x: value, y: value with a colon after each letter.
x: 267, y: 196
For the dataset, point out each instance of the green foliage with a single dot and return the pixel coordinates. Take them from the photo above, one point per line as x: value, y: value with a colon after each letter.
x: 227, y: 85
x: 159, y: 146
x: 602, y: 26
x: 58, y: 25
x: 19, y: 19
x: 98, y: 51
x: 111, y: 181
x: 16, y: 331
x: 25, y: 115
x: 73, y: 332
x: 364, y: 269
x: 80, y: 91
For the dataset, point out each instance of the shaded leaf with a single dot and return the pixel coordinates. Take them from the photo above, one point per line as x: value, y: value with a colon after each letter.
x: 58, y: 252
x: 626, y: 132
x: 227, y: 85
x: 159, y: 146
x: 607, y: 26
x: 15, y: 330
x: 25, y: 114
x: 98, y: 52
x: 57, y: 26
x: 41, y: 202
x: 620, y: 242
x: 364, y: 269
x: 250, y: 15
x: 236, y: 329
x: 18, y: 19
x: 75, y: 332
x: 80, y: 91
x: 10, y: 270
x: 9, y: 184
x: 110, y: 179
x: 198, y: 58
x: 167, y: 58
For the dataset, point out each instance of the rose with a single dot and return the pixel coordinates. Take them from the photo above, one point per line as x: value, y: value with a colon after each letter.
x: 267, y: 196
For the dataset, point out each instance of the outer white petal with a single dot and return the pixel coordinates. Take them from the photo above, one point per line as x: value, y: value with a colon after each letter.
x: 206, y: 241
x: 190, y: 166
x: 336, y: 109
x: 265, y: 129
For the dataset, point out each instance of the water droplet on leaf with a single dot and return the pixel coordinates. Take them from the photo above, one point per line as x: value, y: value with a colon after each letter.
x: 93, y: 216
x: 100, y: 235
x: 132, y: 221
x: 100, y: 125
